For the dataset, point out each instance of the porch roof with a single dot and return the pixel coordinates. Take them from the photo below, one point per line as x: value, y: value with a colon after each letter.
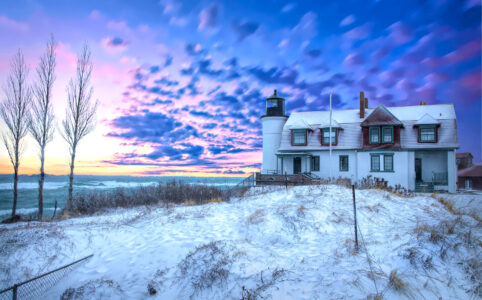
x: 293, y: 154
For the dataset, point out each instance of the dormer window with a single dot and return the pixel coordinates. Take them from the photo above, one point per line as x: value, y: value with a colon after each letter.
x: 298, y: 137
x: 375, y: 135
x: 427, y: 134
x: 387, y: 134
x: 326, y: 136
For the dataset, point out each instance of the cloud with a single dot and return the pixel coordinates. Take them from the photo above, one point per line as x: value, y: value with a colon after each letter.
x: 312, y: 53
x: 12, y: 24
x: 353, y: 59
x: 243, y: 29
x: 288, y: 7
x: 114, y: 45
x: 348, y: 20
x: 468, y: 51
x: 168, y: 61
x: 194, y: 49
x: 307, y: 25
x: 358, y: 33
x: 274, y: 75
x: 209, y: 17
x: 400, y: 33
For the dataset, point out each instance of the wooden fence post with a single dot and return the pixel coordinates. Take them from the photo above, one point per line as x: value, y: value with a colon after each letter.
x: 354, y: 213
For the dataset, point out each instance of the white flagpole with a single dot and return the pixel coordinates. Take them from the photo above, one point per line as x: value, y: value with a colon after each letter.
x: 330, y: 134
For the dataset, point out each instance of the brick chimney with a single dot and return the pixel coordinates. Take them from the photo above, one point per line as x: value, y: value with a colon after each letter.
x: 362, y: 105
x: 366, y: 102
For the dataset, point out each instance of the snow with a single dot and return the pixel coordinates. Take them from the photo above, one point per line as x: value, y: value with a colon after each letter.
x: 275, y: 243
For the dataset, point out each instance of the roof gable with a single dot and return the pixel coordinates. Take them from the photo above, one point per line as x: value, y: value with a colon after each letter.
x: 381, y: 116
x: 426, y: 119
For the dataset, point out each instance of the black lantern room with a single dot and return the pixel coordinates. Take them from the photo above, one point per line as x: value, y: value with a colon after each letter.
x: 275, y: 105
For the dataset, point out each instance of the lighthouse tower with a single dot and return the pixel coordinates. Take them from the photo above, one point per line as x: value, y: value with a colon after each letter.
x: 273, y: 123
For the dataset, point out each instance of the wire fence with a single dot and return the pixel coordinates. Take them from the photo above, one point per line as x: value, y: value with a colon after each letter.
x: 35, y: 287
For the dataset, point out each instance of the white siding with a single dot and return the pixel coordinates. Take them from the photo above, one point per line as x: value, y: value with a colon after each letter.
x: 335, y: 167
x: 400, y: 172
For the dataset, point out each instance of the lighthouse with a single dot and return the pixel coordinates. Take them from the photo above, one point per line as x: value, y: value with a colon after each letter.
x: 273, y: 122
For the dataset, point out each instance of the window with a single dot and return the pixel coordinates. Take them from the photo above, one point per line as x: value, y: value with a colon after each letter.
x: 326, y: 136
x: 387, y: 134
x: 343, y: 163
x: 458, y: 161
x: 374, y: 135
x: 388, y: 163
x: 315, y: 163
x: 375, y: 162
x: 298, y: 137
x: 272, y: 103
x: 427, y: 134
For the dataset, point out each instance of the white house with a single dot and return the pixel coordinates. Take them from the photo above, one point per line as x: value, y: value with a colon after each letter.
x: 411, y: 146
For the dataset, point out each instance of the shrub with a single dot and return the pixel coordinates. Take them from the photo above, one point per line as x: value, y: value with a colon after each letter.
x: 94, y: 289
x: 206, y: 266
x: 172, y: 192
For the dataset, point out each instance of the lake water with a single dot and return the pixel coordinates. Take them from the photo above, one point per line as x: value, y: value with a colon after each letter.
x: 56, y: 188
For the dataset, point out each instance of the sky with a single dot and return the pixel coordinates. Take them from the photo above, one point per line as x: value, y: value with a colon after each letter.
x: 181, y: 84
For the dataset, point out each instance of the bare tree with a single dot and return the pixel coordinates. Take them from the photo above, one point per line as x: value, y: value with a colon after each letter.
x: 15, y: 113
x: 41, y: 124
x: 80, y: 112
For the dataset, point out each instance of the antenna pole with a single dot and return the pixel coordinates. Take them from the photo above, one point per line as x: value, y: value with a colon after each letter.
x: 330, y: 134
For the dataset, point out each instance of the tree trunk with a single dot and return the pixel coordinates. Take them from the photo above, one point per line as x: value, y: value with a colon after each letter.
x: 15, y: 192
x: 41, y: 185
x: 71, y: 180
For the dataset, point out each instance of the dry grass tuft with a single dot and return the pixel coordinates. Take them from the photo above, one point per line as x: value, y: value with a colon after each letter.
x: 262, y: 284
x: 395, y: 281
x: 448, y: 205
x: 257, y: 217
x: 300, y: 212
x: 189, y: 203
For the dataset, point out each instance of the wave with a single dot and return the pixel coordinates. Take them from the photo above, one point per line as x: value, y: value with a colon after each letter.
x: 110, y: 184
x: 33, y: 185
x: 27, y: 211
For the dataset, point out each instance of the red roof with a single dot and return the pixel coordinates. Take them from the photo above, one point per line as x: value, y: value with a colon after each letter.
x: 463, y: 154
x: 474, y: 171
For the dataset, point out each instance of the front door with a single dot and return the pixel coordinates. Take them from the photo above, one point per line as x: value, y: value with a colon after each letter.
x: 418, y: 169
x: 296, y: 165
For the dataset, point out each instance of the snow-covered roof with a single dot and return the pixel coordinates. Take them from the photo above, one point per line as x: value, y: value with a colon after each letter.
x: 403, y: 113
x: 351, y: 135
x: 299, y: 123
x: 426, y: 119
x: 334, y: 124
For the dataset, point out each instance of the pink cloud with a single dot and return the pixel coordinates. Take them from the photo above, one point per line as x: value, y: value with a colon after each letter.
x: 400, y: 33
x: 466, y: 52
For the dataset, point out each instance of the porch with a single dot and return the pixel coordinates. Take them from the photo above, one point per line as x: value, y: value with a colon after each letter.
x: 293, y: 163
x: 432, y: 171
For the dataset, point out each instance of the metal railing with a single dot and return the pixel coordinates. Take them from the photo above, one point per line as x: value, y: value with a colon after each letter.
x: 35, y: 287
x: 440, y: 178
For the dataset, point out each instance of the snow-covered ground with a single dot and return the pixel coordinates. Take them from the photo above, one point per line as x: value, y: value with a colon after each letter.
x: 271, y: 243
